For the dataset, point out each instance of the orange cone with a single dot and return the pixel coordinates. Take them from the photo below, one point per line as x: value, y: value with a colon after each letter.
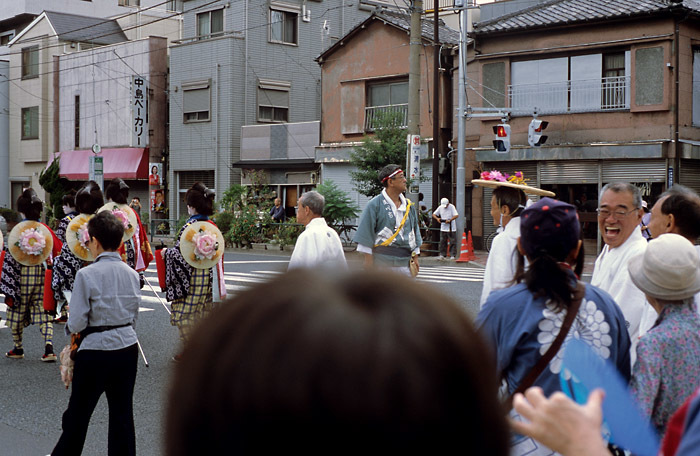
x: 467, y: 253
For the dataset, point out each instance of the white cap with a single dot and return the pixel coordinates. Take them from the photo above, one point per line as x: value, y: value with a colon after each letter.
x: 444, y: 202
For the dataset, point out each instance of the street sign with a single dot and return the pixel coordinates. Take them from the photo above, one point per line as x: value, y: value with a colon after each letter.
x: 414, y: 171
x: 96, y: 170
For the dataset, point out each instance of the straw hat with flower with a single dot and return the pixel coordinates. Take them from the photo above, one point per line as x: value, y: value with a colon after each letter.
x: 125, y: 214
x: 494, y: 179
x: 77, y: 237
x: 30, y: 243
x: 202, y: 245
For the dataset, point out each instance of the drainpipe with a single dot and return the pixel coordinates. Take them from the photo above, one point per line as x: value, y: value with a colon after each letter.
x: 676, y: 92
x: 217, y: 179
x: 245, y: 76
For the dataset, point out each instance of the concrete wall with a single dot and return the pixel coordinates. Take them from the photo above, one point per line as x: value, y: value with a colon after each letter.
x: 4, y: 134
x: 103, y: 82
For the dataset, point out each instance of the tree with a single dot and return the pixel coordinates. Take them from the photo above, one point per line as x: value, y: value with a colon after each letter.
x: 56, y: 186
x: 339, y: 207
x: 387, y: 146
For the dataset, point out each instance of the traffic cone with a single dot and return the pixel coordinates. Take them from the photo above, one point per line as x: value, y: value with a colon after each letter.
x: 467, y: 252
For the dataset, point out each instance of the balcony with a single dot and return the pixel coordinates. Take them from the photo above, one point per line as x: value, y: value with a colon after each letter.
x: 373, y: 114
x: 593, y: 95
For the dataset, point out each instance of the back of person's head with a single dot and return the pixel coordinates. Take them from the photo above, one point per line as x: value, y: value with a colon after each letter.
x: 89, y: 198
x: 335, y: 364
x: 117, y: 191
x: 684, y: 204
x: 388, y: 172
x: 623, y: 187
x: 549, y: 231
x: 30, y: 205
x: 68, y: 199
x: 314, y: 201
x: 106, y: 228
x: 201, y: 198
x: 514, y: 198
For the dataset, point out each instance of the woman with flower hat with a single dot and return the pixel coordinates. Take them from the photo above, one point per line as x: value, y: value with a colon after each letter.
x: 87, y: 201
x: 136, y: 250
x: 191, y: 287
x: 31, y: 245
x: 507, y: 202
x: 529, y: 324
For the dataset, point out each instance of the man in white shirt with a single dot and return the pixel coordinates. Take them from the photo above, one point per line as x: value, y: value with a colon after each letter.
x: 677, y: 211
x: 446, y: 214
x: 619, y: 216
x: 318, y: 245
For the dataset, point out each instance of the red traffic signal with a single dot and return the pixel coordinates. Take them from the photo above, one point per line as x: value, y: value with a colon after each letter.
x: 502, y: 140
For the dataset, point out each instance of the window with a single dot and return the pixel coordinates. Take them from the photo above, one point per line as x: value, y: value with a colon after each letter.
x: 210, y: 23
x: 77, y: 122
x: 386, y: 99
x: 283, y: 26
x: 580, y: 83
x: 129, y: 2
x: 196, y: 101
x: 30, y: 123
x: 696, y: 87
x: 6, y: 38
x: 273, y: 101
x: 30, y: 62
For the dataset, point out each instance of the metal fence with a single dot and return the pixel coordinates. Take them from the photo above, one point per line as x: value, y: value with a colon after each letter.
x: 373, y: 113
x: 593, y: 95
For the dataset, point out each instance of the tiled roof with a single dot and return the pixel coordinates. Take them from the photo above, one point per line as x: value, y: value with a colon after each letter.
x: 446, y: 34
x: 562, y: 12
x: 71, y: 27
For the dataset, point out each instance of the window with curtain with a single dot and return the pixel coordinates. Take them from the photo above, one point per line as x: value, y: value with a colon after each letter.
x: 30, y: 62
x: 283, y: 26
x: 210, y: 23
x: 30, y: 123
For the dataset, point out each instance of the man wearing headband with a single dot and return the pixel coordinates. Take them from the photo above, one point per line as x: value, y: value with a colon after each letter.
x: 388, y: 234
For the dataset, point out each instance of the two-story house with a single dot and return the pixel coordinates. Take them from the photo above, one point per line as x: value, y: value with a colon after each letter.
x: 366, y: 73
x: 614, y: 80
x: 244, y: 64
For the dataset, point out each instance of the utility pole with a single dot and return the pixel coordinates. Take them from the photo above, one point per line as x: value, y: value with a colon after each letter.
x: 436, y: 103
x: 416, y: 42
x: 461, y: 120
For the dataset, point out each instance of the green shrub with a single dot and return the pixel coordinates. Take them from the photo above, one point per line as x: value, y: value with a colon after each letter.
x: 288, y: 232
x: 245, y: 228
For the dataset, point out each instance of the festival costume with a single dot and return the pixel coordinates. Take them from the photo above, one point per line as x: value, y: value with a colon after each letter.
x: 520, y: 328
x: 610, y: 273
x: 136, y: 251
x: 63, y: 225
x: 502, y: 261
x: 106, y: 295
x: 318, y: 246
x: 667, y: 370
x: 23, y: 287
x: 379, y: 222
x: 191, y: 291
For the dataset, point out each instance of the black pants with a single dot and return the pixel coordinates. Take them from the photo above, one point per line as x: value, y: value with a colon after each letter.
x: 97, y: 372
x: 452, y: 236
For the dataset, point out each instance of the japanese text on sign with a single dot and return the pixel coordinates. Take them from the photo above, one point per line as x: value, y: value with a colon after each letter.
x: 139, y: 111
x: 414, y: 141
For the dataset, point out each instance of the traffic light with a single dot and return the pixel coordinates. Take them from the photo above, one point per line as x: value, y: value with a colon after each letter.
x: 534, y: 132
x: 502, y: 141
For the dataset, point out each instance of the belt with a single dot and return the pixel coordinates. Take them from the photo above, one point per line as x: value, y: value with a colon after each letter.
x: 399, y: 252
x: 96, y: 329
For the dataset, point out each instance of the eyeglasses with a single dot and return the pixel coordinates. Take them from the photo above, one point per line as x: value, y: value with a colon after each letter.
x: 617, y: 215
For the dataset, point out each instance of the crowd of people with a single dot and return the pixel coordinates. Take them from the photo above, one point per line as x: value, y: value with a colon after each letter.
x: 344, y: 359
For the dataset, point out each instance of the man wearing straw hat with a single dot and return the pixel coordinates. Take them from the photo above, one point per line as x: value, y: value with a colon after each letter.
x: 508, y: 201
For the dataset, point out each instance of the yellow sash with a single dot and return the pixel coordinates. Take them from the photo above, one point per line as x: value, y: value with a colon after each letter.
x: 403, y: 221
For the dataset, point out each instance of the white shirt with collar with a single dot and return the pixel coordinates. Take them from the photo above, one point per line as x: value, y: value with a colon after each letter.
x: 319, y: 245
x: 398, y: 212
x: 611, y: 274
x: 502, y: 261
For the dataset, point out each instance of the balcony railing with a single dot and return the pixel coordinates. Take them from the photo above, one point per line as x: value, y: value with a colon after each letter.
x: 592, y: 95
x: 374, y: 113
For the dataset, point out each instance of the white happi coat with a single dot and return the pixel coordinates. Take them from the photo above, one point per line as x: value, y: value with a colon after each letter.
x: 612, y: 275
x: 503, y: 260
x: 318, y: 245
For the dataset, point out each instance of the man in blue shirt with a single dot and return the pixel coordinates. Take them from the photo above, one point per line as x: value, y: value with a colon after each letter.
x: 103, y: 309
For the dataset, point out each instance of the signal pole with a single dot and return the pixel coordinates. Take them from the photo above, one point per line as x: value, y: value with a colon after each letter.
x: 415, y: 42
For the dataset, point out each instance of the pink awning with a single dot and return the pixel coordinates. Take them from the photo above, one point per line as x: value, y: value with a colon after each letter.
x: 127, y: 163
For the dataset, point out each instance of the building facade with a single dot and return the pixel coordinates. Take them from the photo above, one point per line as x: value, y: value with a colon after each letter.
x: 616, y: 84
x: 244, y: 64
